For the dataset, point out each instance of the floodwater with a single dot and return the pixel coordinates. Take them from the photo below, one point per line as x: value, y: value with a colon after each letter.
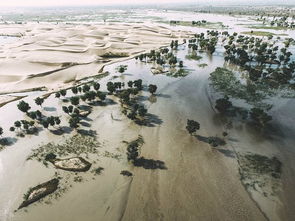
x: 192, y: 168
x: 7, y: 39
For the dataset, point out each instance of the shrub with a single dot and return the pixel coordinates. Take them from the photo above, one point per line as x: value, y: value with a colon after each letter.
x: 192, y: 126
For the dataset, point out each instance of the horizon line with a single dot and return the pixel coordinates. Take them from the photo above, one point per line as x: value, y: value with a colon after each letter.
x: 149, y: 4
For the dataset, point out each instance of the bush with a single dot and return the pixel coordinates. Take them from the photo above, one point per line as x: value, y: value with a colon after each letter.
x: 23, y: 106
x: 259, y: 116
x: 50, y: 157
x: 152, y: 88
x: 192, y: 126
x: 223, y: 104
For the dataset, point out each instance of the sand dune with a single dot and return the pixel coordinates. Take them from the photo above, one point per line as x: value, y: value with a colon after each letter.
x: 40, y: 56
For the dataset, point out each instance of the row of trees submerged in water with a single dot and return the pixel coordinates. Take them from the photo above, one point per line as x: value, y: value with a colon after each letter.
x: 89, y: 94
x: 267, y: 64
x: 265, y: 68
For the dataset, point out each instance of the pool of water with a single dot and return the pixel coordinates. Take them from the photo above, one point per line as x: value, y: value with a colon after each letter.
x: 7, y: 39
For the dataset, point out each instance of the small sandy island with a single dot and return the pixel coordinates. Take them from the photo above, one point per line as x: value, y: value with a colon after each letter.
x: 40, y: 191
x: 76, y: 164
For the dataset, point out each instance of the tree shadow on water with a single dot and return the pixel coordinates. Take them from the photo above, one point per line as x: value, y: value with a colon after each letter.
x: 226, y: 152
x: 150, y: 164
x: 62, y: 130
x: 151, y: 120
x: 213, y: 141
x: 91, y: 133
x: 104, y: 103
x: 85, y: 124
x: 164, y: 95
x: 8, y: 141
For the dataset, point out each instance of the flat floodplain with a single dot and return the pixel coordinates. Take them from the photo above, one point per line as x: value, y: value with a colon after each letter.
x: 146, y: 114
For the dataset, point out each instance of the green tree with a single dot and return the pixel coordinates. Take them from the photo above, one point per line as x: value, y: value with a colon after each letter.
x: 86, y: 88
x: 138, y: 84
x: 57, y: 120
x: 130, y: 83
x: 23, y: 106
x: 45, y: 123
x: 152, y: 88
x: 65, y: 109
x: 74, y: 122
x: 63, y: 92
x: 96, y: 86
x: 57, y: 95
x: 74, y: 90
x: 259, y: 116
x: 51, y: 121
x: 223, y: 104
x: 101, y: 95
x: 75, y: 100
x: 38, y: 114
x: 192, y: 126
x: 180, y: 64
x: 32, y: 115
x: 110, y: 87
x: 39, y: 101
x: 17, y: 124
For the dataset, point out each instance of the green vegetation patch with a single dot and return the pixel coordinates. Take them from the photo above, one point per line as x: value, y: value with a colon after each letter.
x: 193, y: 56
x: 97, y: 171
x: 225, y: 81
x: 204, y: 24
x: 203, y: 65
x: 76, y: 145
x: 179, y: 73
x: 133, y: 148
x: 258, y: 33
x: 267, y: 27
x: 114, y: 55
x: 260, y: 173
x: 261, y: 33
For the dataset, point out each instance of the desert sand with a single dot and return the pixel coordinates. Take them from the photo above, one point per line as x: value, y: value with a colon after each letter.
x: 51, y: 56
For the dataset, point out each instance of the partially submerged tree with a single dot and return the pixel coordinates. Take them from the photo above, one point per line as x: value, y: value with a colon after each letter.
x: 86, y: 88
x: 74, y: 122
x: 259, y: 116
x: 17, y: 124
x: 57, y: 95
x: 39, y: 101
x: 223, y: 104
x: 23, y: 106
x: 111, y: 87
x: 75, y: 100
x: 152, y: 88
x: 192, y: 126
x: 63, y: 92
x: 138, y: 84
x: 74, y: 90
x: 96, y: 86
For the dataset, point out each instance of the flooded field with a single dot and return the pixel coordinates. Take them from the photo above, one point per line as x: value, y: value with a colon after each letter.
x: 234, y: 167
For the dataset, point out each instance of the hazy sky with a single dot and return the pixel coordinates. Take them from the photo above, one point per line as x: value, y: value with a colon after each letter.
x: 5, y: 3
